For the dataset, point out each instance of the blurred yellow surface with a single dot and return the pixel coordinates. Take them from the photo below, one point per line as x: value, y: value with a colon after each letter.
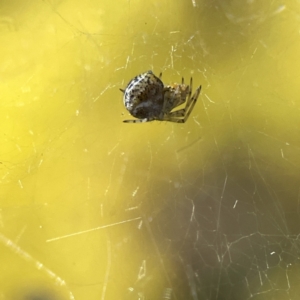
x: 94, y: 208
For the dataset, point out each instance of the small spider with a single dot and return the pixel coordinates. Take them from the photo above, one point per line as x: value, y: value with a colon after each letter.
x: 147, y: 99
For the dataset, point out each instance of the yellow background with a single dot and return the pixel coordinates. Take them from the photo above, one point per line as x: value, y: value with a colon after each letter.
x: 93, y: 208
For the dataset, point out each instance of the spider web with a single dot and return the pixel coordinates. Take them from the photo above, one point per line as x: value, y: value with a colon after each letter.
x: 93, y: 208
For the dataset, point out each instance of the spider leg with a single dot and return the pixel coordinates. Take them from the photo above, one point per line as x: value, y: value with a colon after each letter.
x: 123, y: 91
x: 189, y: 107
x: 188, y: 101
x: 177, y: 113
x: 171, y: 119
x: 138, y: 120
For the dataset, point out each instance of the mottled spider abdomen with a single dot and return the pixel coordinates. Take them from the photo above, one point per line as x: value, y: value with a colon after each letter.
x: 144, y: 96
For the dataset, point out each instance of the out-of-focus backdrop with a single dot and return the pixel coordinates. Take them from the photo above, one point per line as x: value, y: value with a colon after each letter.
x: 93, y: 208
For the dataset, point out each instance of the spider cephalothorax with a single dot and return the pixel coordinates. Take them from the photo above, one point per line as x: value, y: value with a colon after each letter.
x: 147, y: 99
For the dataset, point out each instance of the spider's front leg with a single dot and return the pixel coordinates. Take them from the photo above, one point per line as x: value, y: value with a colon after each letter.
x: 137, y: 121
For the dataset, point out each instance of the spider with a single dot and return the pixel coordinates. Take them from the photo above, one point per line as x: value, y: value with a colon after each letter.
x: 147, y: 99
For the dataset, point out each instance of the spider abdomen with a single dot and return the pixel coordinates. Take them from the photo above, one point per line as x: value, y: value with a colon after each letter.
x: 144, y: 96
